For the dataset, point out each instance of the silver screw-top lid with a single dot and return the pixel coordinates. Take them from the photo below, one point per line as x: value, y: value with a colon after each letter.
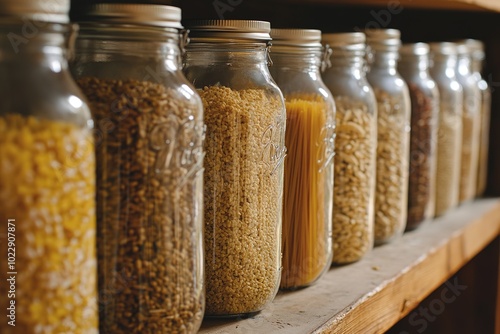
x: 383, y: 38
x: 53, y: 11
x: 443, y: 48
x: 137, y: 14
x: 309, y: 38
x: 228, y: 30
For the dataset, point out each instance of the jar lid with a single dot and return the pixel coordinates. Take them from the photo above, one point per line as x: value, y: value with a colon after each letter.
x: 296, y: 37
x: 463, y: 49
x: 350, y: 40
x: 54, y: 11
x: 228, y: 30
x: 443, y: 48
x: 476, y: 48
x: 383, y: 38
x: 414, y: 49
x: 137, y: 14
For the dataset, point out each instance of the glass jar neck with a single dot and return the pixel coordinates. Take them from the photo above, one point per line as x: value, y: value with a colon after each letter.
x: 444, y: 62
x: 235, y: 54
x: 464, y: 65
x: 415, y: 63
x: 40, y: 43
x: 105, y: 42
x: 385, y: 60
x: 476, y: 65
x: 297, y: 60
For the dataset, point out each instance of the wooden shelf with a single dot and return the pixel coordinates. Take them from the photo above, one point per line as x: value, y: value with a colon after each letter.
x: 373, y: 294
x: 469, y: 5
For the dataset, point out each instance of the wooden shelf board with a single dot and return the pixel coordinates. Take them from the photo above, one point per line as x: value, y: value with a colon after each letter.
x: 469, y: 5
x: 371, y: 295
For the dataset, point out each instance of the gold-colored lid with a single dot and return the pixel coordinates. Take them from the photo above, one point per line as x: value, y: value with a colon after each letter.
x: 228, y: 30
x: 53, y: 11
x: 296, y: 37
x: 136, y: 14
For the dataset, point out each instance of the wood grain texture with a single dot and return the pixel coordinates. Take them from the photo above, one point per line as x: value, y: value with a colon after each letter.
x: 373, y: 294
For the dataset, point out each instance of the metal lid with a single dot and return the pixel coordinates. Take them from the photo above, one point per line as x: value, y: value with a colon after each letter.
x: 354, y: 41
x: 137, y: 14
x: 414, y: 49
x: 227, y: 30
x: 54, y: 11
x: 383, y: 38
x: 443, y: 48
x: 296, y: 37
x: 476, y: 47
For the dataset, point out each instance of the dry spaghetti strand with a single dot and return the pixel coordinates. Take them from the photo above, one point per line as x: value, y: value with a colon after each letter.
x: 305, y: 225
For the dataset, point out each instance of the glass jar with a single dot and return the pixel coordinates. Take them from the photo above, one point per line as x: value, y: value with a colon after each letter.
x: 149, y: 137
x: 393, y: 125
x: 309, y: 139
x: 414, y: 68
x: 470, y: 124
x: 449, y: 138
x: 47, y: 179
x: 477, y: 57
x: 245, y: 119
x: 355, y: 147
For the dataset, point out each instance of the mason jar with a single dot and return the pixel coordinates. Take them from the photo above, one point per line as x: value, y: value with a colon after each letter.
x: 227, y: 61
x: 149, y: 137
x: 424, y: 95
x: 477, y: 57
x: 449, y: 138
x: 47, y: 177
x: 309, y: 139
x: 470, y: 124
x: 355, y: 147
x: 393, y: 126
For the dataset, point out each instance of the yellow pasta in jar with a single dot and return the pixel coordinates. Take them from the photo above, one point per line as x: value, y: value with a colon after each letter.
x: 307, y: 192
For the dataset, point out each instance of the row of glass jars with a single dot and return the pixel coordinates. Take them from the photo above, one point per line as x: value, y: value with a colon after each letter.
x: 170, y: 165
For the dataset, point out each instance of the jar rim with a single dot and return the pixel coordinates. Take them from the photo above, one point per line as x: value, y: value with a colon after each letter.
x: 228, y: 30
x: 298, y: 38
x: 160, y: 16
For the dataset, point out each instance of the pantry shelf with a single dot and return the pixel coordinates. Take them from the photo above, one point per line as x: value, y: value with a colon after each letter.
x: 468, y: 5
x: 373, y: 294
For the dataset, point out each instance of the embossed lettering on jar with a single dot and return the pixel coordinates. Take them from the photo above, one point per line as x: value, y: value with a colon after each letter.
x: 149, y: 136
x: 226, y: 60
